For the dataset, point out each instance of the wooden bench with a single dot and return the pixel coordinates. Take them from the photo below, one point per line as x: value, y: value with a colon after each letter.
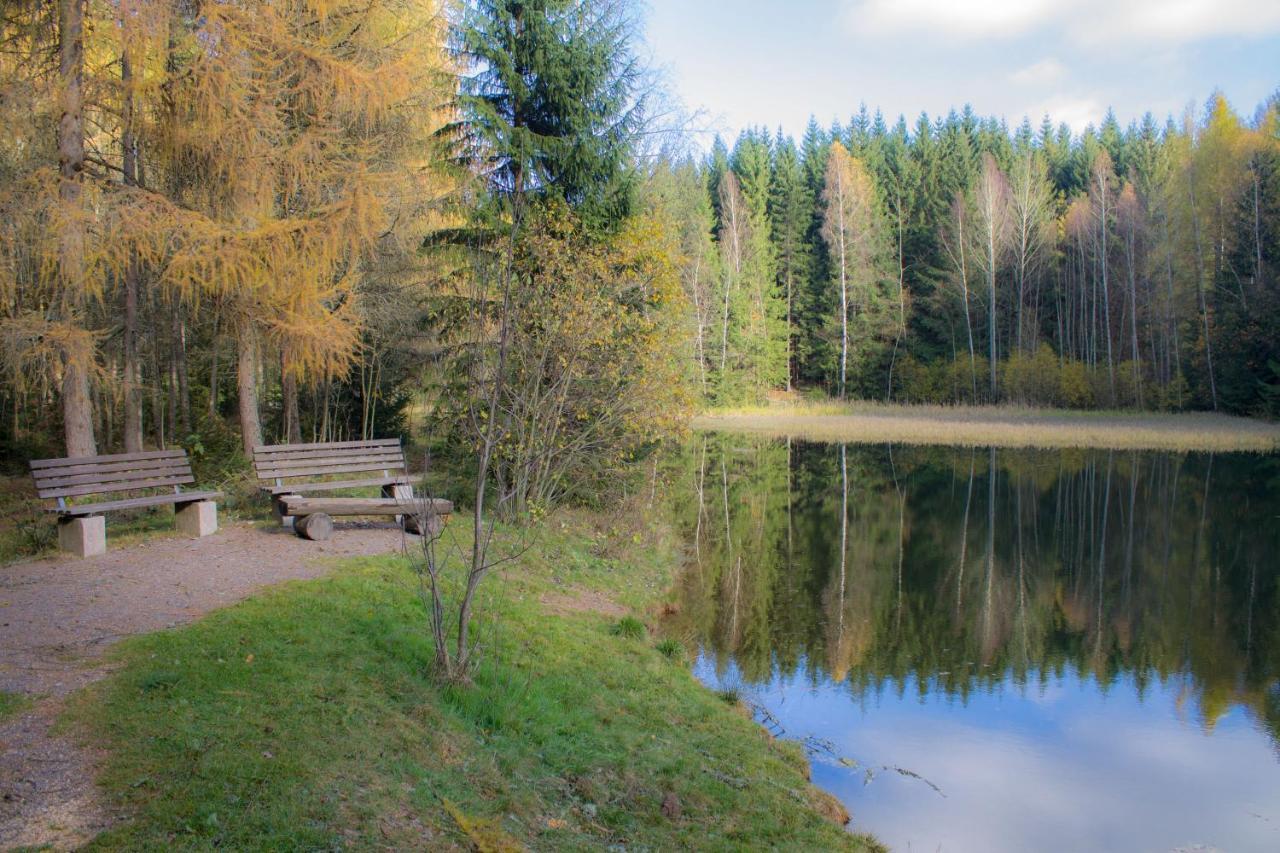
x: 289, y: 472
x: 82, y: 528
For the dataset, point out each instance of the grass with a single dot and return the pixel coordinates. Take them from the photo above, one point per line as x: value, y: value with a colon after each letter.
x: 303, y: 718
x: 11, y: 704
x: 629, y: 627
x: 1002, y: 426
x: 670, y: 648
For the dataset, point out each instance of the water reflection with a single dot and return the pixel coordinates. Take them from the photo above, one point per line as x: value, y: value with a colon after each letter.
x: 1079, y: 648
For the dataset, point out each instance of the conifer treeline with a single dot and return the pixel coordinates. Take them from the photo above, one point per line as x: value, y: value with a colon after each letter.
x: 956, y: 261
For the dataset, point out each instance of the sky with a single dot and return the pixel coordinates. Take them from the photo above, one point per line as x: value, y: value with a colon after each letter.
x: 775, y: 62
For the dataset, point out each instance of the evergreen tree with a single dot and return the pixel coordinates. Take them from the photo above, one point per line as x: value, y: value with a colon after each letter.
x: 790, y: 211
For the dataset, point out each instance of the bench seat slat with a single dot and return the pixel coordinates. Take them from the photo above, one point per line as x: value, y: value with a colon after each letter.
x: 102, y: 488
x: 267, y: 449
x: 395, y: 457
x: 305, y: 453
x: 387, y: 461
x: 121, y: 477
x: 299, y: 488
x: 41, y: 464
x: 319, y: 470
x: 132, y: 503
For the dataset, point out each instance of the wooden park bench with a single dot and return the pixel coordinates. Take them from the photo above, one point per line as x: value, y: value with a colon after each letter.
x: 82, y: 528
x: 290, y: 473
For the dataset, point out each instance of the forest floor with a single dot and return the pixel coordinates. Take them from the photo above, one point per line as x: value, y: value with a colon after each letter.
x: 131, y: 716
x: 1000, y: 426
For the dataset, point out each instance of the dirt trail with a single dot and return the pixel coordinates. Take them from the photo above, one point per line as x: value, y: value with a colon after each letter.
x: 57, y: 618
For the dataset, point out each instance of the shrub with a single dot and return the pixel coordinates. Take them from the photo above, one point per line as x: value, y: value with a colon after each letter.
x: 670, y: 649
x: 629, y: 627
x: 1033, y: 378
x: 1076, y: 389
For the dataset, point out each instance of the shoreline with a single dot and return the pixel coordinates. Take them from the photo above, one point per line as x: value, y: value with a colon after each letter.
x: 998, y: 426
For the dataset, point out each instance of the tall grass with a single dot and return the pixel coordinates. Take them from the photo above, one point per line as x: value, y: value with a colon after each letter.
x: 1002, y: 426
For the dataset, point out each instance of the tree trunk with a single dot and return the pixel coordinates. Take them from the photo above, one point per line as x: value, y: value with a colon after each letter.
x: 213, y: 369
x: 1104, y: 265
x: 291, y: 428
x: 182, y: 385
x: 77, y: 410
x: 1200, y: 290
x: 991, y: 292
x: 132, y: 273
x: 77, y: 406
x: 247, y: 387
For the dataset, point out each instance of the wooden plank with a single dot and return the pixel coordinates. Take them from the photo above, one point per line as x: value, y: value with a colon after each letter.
x: 168, y: 470
x: 99, y: 488
x: 133, y: 503
x: 288, y: 489
x: 305, y: 452
x: 330, y: 445
x: 321, y: 470
x: 362, y: 506
x: 40, y: 464
x: 347, y: 458
x: 49, y: 474
x: 330, y: 466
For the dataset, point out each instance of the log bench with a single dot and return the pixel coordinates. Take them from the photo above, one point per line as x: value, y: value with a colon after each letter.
x: 289, y: 473
x: 82, y: 528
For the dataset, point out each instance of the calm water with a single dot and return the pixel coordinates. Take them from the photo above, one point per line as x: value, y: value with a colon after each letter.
x: 1001, y: 650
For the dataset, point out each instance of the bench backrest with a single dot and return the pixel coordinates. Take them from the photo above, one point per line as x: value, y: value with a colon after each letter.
x: 120, y: 472
x: 279, y: 462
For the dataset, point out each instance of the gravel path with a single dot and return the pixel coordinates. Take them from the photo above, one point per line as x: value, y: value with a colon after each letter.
x: 58, y: 616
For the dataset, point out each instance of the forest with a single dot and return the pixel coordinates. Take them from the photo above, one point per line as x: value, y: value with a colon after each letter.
x: 957, y: 260
x: 229, y: 224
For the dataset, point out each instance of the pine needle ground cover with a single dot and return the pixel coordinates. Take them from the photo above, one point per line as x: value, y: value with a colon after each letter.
x: 303, y: 719
x: 999, y: 426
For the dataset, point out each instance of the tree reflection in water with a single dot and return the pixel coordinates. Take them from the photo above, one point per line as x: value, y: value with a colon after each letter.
x: 954, y: 570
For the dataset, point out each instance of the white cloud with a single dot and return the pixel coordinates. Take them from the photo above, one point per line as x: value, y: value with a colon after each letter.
x: 973, y: 18
x: 1083, y: 22
x: 1041, y: 73
x: 1077, y: 112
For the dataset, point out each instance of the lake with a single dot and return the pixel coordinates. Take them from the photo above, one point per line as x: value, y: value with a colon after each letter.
x: 991, y: 650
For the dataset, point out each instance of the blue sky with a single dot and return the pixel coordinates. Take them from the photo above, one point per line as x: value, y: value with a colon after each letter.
x: 773, y: 62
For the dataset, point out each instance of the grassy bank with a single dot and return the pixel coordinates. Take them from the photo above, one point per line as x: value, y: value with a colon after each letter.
x: 302, y: 719
x: 1002, y: 426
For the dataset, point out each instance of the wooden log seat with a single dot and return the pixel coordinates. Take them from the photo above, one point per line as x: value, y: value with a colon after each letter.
x: 290, y: 473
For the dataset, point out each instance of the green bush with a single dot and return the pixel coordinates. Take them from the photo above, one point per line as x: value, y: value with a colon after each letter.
x: 1076, y: 388
x: 670, y: 649
x: 629, y: 627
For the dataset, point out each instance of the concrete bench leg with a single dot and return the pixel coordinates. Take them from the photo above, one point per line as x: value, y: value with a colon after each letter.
x: 84, y: 536
x: 277, y: 507
x: 196, y: 519
x: 401, y: 492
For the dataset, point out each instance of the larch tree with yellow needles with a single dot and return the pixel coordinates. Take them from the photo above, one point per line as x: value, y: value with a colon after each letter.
x: 267, y: 161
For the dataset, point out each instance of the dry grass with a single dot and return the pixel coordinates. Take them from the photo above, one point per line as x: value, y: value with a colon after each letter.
x: 1001, y: 426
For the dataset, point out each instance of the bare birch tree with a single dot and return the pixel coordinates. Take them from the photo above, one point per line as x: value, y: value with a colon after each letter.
x: 991, y: 239
x: 853, y: 232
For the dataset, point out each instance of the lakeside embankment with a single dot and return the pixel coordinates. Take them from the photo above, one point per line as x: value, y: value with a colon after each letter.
x: 1000, y: 426
x: 303, y: 717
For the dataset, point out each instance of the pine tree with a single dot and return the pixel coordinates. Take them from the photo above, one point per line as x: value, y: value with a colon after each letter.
x: 790, y: 210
